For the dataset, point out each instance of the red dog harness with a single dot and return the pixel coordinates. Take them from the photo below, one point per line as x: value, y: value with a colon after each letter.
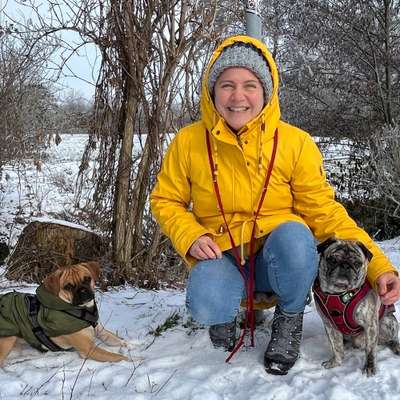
x: 340, y: 308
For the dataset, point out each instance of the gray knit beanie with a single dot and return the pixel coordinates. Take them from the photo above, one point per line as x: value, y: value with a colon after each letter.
x: 242, y: 55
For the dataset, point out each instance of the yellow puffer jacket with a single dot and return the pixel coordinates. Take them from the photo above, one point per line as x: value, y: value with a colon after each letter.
x: 185, y: 205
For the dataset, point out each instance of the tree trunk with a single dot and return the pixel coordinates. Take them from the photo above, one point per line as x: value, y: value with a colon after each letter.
x: 122, y: 245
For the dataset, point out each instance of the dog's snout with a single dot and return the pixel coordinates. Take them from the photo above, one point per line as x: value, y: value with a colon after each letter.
x: 342, y: 281
x: 83, y: 295
x: 86, y: 292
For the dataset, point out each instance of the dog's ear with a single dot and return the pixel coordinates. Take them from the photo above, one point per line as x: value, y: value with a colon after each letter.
x: 52, y: 282
x: 324, y: 245
x: 368, y: 255
x: 94, y: 269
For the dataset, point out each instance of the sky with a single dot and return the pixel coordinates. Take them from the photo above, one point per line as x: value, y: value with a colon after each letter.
x: 180, y: 363
x: 80, y: 72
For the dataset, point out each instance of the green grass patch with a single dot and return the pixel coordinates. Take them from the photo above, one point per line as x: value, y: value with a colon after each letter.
x: 170, y: 322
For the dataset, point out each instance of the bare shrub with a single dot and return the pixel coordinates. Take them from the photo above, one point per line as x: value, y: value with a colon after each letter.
x: 384, y: 170
x: 367, y: 180
x: 28, y: 110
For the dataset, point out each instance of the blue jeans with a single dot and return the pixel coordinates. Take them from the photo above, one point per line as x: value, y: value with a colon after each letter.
x: 286, y: 265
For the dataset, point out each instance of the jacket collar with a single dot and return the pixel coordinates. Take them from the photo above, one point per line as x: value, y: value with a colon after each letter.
x: 53, y: 302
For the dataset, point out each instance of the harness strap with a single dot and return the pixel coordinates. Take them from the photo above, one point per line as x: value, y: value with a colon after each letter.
x: 33, y: 306
x: 249, y: 282
x: 334, y: 309
x: 92, y: 317
x: 340, y: 308
x: 350, y: 309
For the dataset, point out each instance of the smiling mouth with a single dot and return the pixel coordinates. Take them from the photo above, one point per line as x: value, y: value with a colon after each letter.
x: 238, y: 109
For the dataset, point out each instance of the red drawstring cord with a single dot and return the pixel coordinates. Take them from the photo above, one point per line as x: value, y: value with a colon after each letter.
x: 249, y: 283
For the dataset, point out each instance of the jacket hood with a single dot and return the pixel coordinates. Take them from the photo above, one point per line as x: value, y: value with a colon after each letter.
x: 270, y: 113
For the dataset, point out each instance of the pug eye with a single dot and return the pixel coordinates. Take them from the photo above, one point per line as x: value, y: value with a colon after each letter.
x: 69, y: 286
x: 331, y: 260
x: 87, y: 279
x: 356, y: 266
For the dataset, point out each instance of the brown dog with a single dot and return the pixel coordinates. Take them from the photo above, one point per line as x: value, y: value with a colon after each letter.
x: 61, y: 317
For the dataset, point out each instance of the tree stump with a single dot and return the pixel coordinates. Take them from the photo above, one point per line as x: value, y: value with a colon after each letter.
x: 44, y: 246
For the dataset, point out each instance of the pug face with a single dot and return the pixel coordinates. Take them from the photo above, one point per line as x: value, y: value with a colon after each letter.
x: 74, y: 284
x: 343, y: 265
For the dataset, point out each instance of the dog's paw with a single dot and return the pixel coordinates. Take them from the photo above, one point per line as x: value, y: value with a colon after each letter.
x: 394, y: 346
x: 370, y: 364
x: 130, y: 344
x: 369, y: 367
x: 369, y: 370
x: 130, y: 349
x: 125, y: 344
x: 332, y: 363
x: 134, y: 356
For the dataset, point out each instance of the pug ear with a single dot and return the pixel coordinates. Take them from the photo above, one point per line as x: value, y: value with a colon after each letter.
x: 368, y: 255
x: 94, y: 269
x: 324, y: 245
x: 52, y: 282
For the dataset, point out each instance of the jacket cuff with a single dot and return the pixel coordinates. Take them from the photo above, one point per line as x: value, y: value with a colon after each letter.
x: 375, y: 271
x: 187, y: 243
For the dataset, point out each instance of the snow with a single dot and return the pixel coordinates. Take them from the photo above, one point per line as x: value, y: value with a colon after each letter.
x: 29, y: 193
x: 48, y: 220
x: 180, y: 363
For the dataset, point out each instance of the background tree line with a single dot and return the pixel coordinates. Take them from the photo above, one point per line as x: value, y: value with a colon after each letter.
x: 339, y: 68
x: 31, y: 110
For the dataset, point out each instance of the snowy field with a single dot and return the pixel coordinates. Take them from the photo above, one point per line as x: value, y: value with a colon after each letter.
x: 28, y: 193
x: 178, y: 363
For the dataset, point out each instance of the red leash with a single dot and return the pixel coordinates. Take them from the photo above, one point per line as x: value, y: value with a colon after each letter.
x: 249, y: 283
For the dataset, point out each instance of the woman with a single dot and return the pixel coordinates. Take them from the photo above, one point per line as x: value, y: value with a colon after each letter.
x: 242, y: 194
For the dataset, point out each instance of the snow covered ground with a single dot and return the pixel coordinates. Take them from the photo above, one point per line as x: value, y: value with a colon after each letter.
x: 179, y: 363
x: 28, y: 193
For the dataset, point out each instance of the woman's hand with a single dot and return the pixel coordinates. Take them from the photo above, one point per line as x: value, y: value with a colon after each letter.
x: 388, y: 287
x: 204, y: 248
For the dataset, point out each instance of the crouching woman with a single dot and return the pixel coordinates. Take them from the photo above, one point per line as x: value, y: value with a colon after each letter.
x: 242, y: 195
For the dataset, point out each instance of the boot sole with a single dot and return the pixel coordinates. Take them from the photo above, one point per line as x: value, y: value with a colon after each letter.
x: 277, y: 368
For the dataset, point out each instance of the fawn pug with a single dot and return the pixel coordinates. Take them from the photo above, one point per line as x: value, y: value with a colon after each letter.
x: 349, y: 307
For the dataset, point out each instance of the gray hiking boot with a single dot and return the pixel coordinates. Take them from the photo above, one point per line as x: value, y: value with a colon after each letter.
x: 284, y: 346
x: 224, y: 335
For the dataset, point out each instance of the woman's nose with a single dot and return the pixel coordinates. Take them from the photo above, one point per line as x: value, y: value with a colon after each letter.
x: 238, y: 94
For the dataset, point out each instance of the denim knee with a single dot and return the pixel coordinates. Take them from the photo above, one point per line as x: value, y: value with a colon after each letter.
x: 294, y: 241
x: 214, y: 291
x: 292, y: 262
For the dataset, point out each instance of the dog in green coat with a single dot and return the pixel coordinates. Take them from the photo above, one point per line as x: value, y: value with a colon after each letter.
x: 61, y: 317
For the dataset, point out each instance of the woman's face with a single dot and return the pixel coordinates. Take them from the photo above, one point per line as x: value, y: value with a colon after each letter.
x: 238, y: 96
